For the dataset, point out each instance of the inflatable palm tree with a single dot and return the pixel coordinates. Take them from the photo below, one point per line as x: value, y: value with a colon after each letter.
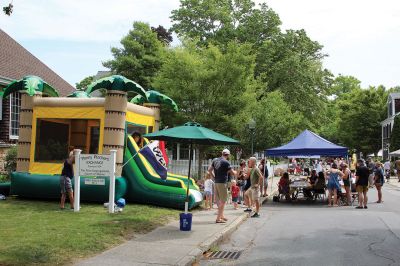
x: 30, y: 87
x: 154, y: 101
x: 116, y: 83
x: 117, y: 88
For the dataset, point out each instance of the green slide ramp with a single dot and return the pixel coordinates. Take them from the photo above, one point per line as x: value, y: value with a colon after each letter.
x: 145, y: 186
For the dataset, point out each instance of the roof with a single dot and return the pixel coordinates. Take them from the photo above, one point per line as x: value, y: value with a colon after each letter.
x: 308, y: 144
x: 17, y: 62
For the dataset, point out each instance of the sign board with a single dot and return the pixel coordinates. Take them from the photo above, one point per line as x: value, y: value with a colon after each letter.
x: 95, y: 165
x: 95, y: 181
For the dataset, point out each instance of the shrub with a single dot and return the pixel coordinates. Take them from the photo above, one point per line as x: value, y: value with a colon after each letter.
x: 11, y: 160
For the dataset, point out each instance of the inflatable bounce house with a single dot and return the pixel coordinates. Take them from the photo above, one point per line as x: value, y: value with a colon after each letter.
x: 50, y: 126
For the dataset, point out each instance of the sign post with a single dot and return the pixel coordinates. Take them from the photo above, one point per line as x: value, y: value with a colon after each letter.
x: 77, y: 181
x: 95, y: 165
x: 111, y: 200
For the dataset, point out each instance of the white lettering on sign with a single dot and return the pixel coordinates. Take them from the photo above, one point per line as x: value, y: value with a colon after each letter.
x: 95, y: 165
x: 95, y: 181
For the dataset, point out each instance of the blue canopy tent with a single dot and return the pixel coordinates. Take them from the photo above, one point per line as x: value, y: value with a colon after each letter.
x: 308, y: 144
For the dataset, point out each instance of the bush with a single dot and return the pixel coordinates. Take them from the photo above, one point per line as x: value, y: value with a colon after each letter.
x: 11, y: 160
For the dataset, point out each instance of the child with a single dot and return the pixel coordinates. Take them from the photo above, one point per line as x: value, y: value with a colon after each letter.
x: 235, y: 194
x: 208, y: 191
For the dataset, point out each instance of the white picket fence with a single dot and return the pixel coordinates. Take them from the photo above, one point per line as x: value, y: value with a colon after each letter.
x: 181, y: 167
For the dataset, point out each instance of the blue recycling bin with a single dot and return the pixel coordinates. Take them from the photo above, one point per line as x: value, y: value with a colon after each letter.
x: 185, y: 220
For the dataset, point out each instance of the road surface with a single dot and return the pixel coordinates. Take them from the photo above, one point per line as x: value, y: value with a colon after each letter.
x: 313, y: 234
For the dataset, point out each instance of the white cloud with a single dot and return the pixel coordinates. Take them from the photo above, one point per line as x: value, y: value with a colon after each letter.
x: 360, y: 36
x: 89, y: 20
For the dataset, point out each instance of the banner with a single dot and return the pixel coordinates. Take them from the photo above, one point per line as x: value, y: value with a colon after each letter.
x: 155, y: 157
x: 163, y: 149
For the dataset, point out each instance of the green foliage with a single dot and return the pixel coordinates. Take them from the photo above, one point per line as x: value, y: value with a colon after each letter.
x: 82, y: 85
x: 163, y: 35
x: 11, y: 160
x: 221, y: 21
x: 292, y: 63
x: 276, y: 124
x: 206, y: 83
x: 395, y: 136
x: 360, y: 113
x: 140, y: 57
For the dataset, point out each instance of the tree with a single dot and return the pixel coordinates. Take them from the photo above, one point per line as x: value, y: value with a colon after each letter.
x: 338, y: 90
x: 163, y: 35
x: 395, y: 136
x: 276, y: 124
x: 8, y: 9
x: 361, y: 112
x: 140, y: 57
x: 82, y: 85
x: 220, y: 21
x: 292, y: 63
x: 206, y: 84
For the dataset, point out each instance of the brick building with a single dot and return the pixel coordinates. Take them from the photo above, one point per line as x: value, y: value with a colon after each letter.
x: 15, y: 63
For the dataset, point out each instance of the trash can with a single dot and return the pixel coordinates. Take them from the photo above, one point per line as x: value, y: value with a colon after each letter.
x: 185, y: 220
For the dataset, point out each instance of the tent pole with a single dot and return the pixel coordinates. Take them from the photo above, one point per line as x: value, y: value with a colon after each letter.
x: 188, y: 182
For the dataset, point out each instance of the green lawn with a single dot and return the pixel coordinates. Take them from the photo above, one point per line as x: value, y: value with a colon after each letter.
x: 38, y: 233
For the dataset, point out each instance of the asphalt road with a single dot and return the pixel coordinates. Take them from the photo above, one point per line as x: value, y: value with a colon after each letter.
x: 313, y: 234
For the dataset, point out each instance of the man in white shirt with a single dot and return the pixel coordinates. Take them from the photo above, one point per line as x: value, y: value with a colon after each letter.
x: 386, y: 166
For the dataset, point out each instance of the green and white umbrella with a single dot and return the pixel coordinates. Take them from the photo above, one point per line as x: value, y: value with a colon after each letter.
x: 192, y: 133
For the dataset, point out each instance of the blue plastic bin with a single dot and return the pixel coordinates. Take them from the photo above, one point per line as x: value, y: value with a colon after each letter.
x: 185, y: 220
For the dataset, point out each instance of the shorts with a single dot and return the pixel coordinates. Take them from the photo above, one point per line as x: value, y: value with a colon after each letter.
x: 221, y: 192
x: 361, y: 189
x: 265, y: 182
x: 235, y: 199
x: 65, y: 184
x: 207, y: 193
x: 253, y: 193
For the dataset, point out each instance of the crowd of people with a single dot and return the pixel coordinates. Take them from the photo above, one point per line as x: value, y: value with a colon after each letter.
x: 355, y: 178
x: 245, y: 185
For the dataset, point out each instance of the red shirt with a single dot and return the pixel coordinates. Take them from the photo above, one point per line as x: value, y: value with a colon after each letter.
x: 235, y: 191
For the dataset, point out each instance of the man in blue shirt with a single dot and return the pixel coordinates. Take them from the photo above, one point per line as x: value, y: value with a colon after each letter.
x: 220, y: 169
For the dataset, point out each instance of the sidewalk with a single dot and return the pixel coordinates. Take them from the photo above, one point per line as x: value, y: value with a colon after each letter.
x: 167, y: 245
x: 394, y: 181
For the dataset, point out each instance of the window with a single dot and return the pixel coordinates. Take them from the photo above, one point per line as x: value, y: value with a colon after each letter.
x: 52, y: 139
x: 131, y: 128
x: 94, y: 140
x: 15, y: 106
x: 396, y: 106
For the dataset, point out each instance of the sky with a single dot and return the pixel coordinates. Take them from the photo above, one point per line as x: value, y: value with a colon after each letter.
x: 74, y: 37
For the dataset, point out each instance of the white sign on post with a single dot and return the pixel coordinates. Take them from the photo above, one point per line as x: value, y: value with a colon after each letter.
x: 95, y: 165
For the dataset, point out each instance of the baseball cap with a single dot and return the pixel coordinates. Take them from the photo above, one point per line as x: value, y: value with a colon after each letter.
x: 226, y: 152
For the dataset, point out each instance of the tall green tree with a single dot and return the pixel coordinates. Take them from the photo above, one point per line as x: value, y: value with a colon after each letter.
x: 220, y: 21
x: 140, y: 57
x: 276, y: 124
x: 206, y: 83
x: 292, y: 64
x: 339, y: 90
x: 361, y: 112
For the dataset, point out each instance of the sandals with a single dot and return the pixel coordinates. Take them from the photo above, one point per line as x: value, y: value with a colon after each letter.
x: 224, y: 219
x: 220, y: 221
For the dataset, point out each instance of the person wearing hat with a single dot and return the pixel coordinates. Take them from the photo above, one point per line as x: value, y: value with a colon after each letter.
x: 220, y: 169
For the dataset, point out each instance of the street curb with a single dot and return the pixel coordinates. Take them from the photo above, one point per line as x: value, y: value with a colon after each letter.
x: 196, y: 254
